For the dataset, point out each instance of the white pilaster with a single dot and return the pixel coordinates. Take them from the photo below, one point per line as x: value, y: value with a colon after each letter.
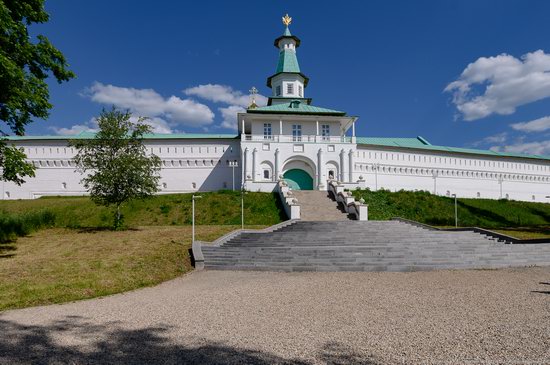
x: 254, y: 162
x: 280, y: 127
x: 350, y: 154
x: 277, y: 165
x: 342, y: 165
x: 242, y: 131
x: 320, y: 170
x: 246, y: 167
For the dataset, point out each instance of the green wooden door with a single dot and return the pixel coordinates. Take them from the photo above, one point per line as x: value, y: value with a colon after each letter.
x: 298, y: 179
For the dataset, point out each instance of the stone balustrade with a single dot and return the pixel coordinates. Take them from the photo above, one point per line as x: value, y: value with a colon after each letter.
x: 290, y: 203
x: 359, y: 209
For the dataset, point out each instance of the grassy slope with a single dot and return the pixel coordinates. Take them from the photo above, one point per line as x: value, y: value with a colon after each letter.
x: 59, y: 265
x: 216, y: 208
x: 436, y: 210
x: 80, y: 259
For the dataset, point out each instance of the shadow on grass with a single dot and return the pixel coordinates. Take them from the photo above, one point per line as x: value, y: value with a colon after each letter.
x: 112, y: 344
x: 6, y: 250
x: 540, y: 213
x: 487, y: 214
x: 104, y: 229
x: 534, y: 229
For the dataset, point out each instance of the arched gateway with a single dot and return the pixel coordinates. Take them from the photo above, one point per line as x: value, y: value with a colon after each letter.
x: 298, y: 179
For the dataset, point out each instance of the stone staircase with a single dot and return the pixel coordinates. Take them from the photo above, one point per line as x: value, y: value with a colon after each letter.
x: 367, y: 246
x: 318, y: 205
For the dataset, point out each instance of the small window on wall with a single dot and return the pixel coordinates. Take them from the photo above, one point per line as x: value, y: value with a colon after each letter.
x: 331, y: 174
x: 300, y: 90
x: 267, y: 174
x: 290, y: 89
x: 278, y: 90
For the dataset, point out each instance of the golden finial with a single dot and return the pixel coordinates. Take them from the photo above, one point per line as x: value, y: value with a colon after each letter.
x: 287, y: 20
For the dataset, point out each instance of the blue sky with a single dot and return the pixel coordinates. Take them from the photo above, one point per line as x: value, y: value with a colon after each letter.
x: 188, y: 65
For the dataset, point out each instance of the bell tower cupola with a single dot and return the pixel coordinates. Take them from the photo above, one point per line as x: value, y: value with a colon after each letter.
x: 288, y: 82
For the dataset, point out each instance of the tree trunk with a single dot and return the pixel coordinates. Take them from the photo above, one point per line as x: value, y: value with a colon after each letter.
x: 117, y: 217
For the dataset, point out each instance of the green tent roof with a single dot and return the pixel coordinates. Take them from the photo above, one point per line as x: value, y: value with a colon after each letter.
x: 288, y: 62
x: 296, y: 107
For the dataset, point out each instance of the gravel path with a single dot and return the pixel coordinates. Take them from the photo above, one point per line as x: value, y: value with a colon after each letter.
x: 221, y: 317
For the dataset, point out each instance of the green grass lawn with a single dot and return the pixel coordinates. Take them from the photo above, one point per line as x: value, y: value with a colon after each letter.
x: 215, y: 208
x: 59, y: 249
x: 59, y: 264
x: 21, y: 217
x: 533, y: 218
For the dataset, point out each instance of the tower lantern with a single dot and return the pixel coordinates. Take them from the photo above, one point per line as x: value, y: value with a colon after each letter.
x: 287, y: 81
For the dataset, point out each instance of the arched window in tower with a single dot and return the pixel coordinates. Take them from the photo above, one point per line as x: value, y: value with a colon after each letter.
x: 278, y: 90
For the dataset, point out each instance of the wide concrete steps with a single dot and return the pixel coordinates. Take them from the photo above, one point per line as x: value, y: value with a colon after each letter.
x: 367, y: 246
x: 317, y: 205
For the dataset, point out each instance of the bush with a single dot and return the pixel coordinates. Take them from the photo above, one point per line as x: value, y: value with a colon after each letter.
x: 18, y: 225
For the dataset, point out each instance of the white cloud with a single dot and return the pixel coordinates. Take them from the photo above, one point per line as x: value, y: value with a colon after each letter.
x: 235, y: 99
x: 90, y: 126
x: 499, y: 138
x: 224, y: 94
x: 158, y: 125
x: 170, y: 114
x: 147, y: 102
x: 535, y: 148
x: 229, y: 115
x: 509, y: 83
x: 537, y: 125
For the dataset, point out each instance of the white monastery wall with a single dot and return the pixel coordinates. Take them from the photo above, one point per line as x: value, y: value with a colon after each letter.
x: 187, y: 166
x: 467, y: 175
x: 203, y: 165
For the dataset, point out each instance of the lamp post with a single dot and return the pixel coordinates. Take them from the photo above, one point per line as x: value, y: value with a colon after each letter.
x: 233, y: 164
x: 193, y: 216
x: 456, y: 211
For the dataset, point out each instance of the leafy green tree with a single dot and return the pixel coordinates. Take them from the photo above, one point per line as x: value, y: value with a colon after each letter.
x: 24, y: 67
x: 117, y: 166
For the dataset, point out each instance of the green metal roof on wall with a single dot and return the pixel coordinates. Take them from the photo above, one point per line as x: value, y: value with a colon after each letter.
x: 392, y: 142
x: 423, y: 144
x: 296, y: 107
